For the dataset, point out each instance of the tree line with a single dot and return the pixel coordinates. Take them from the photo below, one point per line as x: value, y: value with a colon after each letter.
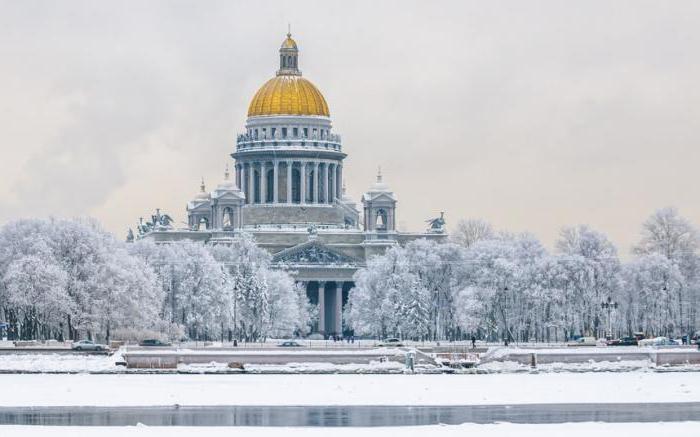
x: 508, y: 287
x: 69, y: 279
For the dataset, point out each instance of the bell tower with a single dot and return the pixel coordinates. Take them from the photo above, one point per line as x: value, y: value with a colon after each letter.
x: 379, y: 207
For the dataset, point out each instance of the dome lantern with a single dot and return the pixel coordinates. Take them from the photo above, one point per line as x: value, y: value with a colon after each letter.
x: 289, y: 57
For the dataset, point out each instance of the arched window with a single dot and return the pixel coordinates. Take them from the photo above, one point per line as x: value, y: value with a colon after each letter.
x: 284, y: 61
x: 227, y: 219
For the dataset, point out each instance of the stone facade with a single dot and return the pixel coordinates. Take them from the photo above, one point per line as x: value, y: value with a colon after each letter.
x: 288, y: 191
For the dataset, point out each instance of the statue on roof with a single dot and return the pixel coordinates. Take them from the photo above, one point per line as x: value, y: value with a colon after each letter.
x: 437, y: 225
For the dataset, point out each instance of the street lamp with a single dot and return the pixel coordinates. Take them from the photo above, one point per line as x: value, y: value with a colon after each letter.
x: 609, y: 305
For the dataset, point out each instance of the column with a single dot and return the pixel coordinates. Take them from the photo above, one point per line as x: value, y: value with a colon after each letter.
x: 324, y: 186
x: 339, y: 308
x: 275, y: 181
x: 331, y: 183
x: 339, y: 181
x: 302, y: 180
x: 322, y: 307
x: 305, y: 285
x: 251, y: 184
x: 289, y: 181
x: 241, y: 178
x: 315, y: 165
x: 263, y: 183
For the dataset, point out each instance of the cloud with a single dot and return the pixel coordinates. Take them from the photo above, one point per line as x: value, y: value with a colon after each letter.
x: 533, y: 115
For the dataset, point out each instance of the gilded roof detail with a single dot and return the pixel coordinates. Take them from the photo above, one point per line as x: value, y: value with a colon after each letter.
x: 288, y: 95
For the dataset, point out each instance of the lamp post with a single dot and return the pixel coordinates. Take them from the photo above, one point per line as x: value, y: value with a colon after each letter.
x: 609, y: 305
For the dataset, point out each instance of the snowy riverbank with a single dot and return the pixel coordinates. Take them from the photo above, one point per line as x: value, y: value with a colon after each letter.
x: 79, y: 363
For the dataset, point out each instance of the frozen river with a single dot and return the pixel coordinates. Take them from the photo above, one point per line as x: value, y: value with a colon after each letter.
x: 353, y: 415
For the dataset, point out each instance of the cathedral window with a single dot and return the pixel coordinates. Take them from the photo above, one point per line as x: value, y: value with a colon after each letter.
x: 306, y: 132
x: 284, y: 132
x: 272, y: 132
x: 295, y: 132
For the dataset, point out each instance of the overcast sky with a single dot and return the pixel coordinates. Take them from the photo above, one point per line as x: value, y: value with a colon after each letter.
x: 530, y: 114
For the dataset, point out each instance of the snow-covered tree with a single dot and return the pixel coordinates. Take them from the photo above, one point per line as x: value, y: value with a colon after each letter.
x: 651, y: 285
x: 69, y: 278
x: 467, y: 232
x: 594, y: 269
x: 669, y: 234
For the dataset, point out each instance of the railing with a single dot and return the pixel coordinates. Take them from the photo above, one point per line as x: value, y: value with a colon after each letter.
x: 329, y: 142
x: 245, y: 137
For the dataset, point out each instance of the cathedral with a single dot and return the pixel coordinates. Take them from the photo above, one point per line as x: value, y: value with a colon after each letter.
x: 288, y: 191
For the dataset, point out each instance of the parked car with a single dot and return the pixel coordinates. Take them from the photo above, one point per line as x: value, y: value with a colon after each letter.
x: 153, y: 342
x: 391, y: 342
x: 624, y: 341
x: 583, y: 341
x: 88, y: 345
x: 289, y: 343
x: 659, y: 342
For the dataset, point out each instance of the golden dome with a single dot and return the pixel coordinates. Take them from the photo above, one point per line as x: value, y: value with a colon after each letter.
x: 288, y: 95
x: 289, y: 43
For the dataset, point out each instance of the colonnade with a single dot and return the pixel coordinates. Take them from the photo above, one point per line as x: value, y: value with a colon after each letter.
x: 329, y: 297
x: 290, y: 181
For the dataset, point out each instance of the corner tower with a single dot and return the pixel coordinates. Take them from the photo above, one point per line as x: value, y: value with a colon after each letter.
x: 289, y: 163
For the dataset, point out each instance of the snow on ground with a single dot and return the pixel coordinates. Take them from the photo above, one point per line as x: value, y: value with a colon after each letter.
x: 489, y: 389
x: 74, y: 363
x: 59, y: 363
x: 496, y: 430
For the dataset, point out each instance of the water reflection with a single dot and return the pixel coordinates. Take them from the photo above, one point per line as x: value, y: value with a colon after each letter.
x: 333, y: 416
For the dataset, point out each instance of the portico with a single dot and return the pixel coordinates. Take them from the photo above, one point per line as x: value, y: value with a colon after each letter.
x: 330, y: 298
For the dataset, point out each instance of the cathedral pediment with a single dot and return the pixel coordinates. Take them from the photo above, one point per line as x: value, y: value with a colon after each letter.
x: 378, y: 197
x: 312, y: 253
